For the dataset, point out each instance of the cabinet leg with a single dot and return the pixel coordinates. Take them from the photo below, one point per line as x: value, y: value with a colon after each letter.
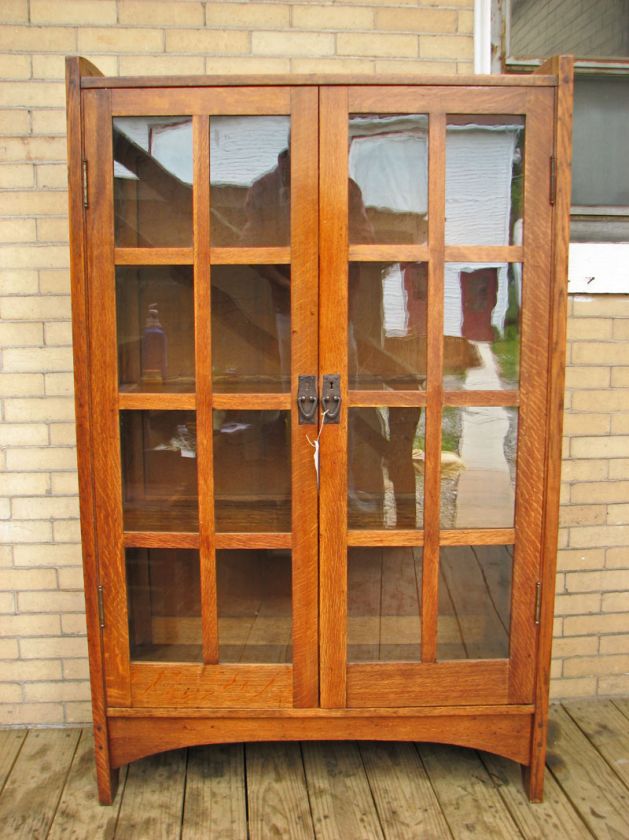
x: 533, y: 776
x: 107, y: 781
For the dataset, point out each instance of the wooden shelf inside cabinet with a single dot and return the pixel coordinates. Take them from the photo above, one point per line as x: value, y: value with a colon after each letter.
x: 374, y: 554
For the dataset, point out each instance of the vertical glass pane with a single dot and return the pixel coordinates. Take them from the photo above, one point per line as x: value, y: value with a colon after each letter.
x: 386, y: 468
x: 254, y: 605
x: 384, y: 604
x: 155, y: 320
x: 251, y: 328
x: 159, y: 470
x: 474, y: 602
x: 164, y: 601
x: 387, y: 325
x: 482, y: 326
x: 601, y: 116
x: 153, y: 181
x: 484, y: 180
x: 250, y: 180
x: 478, y: 464
x: 388, y: 171
x: 252, y: 470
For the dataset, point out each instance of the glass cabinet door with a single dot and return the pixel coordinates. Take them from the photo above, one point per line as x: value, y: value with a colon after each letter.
x: 435, y: 231
x: 204, y: 267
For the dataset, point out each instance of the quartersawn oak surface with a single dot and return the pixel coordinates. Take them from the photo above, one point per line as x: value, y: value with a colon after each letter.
x: 324, y: 790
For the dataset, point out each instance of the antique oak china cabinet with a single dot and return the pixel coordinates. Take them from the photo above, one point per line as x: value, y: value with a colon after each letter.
x: 318, y: 335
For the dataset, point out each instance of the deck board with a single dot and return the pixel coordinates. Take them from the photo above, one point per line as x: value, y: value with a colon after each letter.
x: 324, y: 790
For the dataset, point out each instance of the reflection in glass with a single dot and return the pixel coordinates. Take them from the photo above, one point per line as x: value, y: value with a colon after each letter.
x: 387, y: 329
x: 250, y: 180
x: 254, y: 605
x: 155, y: 320
x: 153, y: 181
x: 252, y: 485
x: 478, y: 465
x: 482, y: 326
x: 159, y: 470
x: 251, y: 328
x: 386, y: 468
x: 484, y: 180
x: 388, y: 169
x: 474, y: 601
x: 164, y: 601
x: 384, y: 604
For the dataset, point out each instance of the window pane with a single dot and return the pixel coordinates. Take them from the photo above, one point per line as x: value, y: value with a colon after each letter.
x: 601, y: 115
x: 474, y: 601
x: 164, y: 599
x: 159, y: 470
x: 482, y: 326
x: 478, y: 463
x: 153, y: 181
x: 254, y: 605
x: 251, y: 328
x: 588, y: 30
x: 250, y: 180
x: 387, y: 329
x: 384, y: 604
x: 386, y: 468
x: 388, y: 171
x: 252, y: 470
x: 155, y: 320
x: 484, y: 181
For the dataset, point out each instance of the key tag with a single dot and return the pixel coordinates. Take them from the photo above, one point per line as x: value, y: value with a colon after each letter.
x: 315, y: 445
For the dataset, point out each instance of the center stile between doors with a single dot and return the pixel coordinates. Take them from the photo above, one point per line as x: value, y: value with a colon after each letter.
x: 271, y: 517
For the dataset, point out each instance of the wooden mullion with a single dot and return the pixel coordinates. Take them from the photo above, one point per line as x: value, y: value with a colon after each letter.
x: 253, y: 539
x: 203, y: 378
x: 481, y: 398
x: 304, y: 360
x: 160, y: 539
x: 153, y: 256
x: 251, y: 402
x: 481, y: 536
x: 388, y: 253
x: 392, y: 399
x: 379, y: 538
x: 484, y: 253
x: 135, y: 401
x: 333, y: 326
x: 258, y: 255
x: 434, y: 339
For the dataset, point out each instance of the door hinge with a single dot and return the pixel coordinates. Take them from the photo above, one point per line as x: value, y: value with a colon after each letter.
x: 553, y: 180
x: 101, y: 608
x: 84, y: 176
x: 538, y: 601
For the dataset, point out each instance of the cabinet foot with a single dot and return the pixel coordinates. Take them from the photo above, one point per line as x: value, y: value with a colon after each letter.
x: 107, y: 781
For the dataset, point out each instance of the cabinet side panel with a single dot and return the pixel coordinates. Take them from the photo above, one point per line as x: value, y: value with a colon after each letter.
x: 107, y: 781
x: 563, y: 68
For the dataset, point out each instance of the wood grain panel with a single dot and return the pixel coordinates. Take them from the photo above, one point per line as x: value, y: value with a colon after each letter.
x: 423, y: 98
x: 104, y: 402
x: 447, y: 683
x: 200, y: 102
x: 203, y: 375
x: 212, y: 686
x: 75, y: 67
x: 504, y: 734
x: 304, y: 360
x: 333, y: 325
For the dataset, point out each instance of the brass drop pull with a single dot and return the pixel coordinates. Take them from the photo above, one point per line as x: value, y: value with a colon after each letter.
x: 307, y: 400
x: 331, y: 397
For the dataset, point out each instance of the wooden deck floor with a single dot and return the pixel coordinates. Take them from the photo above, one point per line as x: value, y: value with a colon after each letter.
x: 326, y: 790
